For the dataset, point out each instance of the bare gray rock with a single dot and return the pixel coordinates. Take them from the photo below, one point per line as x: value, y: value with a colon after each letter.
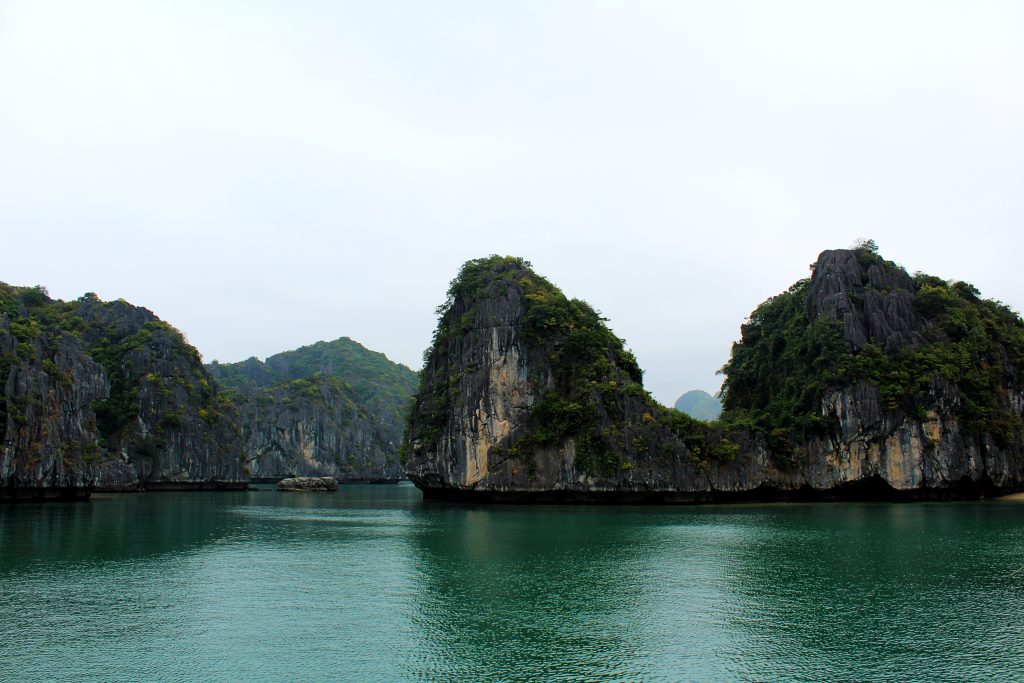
x: 308, y: 484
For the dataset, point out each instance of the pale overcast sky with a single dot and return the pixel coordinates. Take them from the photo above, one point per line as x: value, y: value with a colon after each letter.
x: 264, y: 175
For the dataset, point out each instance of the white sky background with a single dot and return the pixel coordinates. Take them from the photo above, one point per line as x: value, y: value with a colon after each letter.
x: 264, y: 175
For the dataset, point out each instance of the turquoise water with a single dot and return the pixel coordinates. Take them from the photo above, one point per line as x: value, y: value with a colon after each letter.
x: 372, y: 584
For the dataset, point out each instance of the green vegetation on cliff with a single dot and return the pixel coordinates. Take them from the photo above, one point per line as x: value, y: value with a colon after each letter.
x: 788, y: 359
x: 592, y: 373
x: 589, y: 386
x: 157, y: 384
x: 590, y: 365
x: 365, y: 376
x: 782, y: 366
x: 332, y: 408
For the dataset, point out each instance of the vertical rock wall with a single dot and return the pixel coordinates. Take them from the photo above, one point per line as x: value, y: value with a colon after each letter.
x: 106, y: 396
x: 329, y: 409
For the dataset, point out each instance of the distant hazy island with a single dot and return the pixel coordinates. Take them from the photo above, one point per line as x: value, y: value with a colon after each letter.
x: 699, y: 404
x: 859, y: 381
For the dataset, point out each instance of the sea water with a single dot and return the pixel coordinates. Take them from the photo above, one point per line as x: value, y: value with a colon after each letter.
x: 371, y: 583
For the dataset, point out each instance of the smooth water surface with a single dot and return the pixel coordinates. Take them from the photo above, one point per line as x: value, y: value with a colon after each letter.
x: 373, y: 584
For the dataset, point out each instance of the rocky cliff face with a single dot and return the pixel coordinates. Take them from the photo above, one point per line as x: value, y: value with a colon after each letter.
x: 330, y: 409
x: 316, y: 429
x: 105, y: 395
x: 873, y: 300
x: 527, y: 396
x: 50, y: 434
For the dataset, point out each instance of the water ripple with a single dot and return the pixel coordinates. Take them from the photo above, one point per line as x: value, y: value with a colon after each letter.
x: 374, y: 585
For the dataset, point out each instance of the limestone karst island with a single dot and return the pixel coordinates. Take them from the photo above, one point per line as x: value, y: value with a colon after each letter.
x: 858, y: 382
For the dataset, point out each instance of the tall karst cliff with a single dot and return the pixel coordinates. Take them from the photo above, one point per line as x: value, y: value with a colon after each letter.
x: 858, y: 381
x: 105, y: 395
x: 527, y: 393
x: 332, y: 408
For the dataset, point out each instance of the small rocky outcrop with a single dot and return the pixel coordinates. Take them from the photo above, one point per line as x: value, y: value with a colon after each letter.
x: 308, y: 484
x: 332, y: 408
x: 859, y: 382
x: 874, y: 300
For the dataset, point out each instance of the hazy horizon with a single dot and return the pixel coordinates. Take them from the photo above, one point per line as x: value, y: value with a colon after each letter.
x: 263, y: 177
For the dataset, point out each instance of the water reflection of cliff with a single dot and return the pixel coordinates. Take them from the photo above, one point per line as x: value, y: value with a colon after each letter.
x: 528, y: 594
x: 111, y: 527
x: 880, y: 592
